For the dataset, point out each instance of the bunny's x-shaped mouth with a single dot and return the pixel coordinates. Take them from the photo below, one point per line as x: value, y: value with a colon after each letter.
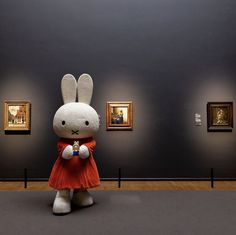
x: 75, y: 132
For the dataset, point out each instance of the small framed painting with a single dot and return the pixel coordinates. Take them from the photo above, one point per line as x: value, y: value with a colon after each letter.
x: 17, y: 116
x: 119, y: 115
x: 220, y: 116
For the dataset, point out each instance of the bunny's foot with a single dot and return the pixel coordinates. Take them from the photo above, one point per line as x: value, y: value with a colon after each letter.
x: 61, y: 203
x: 82, y: 198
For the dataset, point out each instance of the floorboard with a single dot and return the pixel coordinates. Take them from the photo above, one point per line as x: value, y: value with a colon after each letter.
x: 131, y: 185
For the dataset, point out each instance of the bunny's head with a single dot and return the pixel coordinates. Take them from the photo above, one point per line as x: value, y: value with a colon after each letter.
x: 76, y: 120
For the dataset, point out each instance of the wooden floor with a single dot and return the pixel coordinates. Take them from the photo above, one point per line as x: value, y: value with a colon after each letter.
x: 131, y: 185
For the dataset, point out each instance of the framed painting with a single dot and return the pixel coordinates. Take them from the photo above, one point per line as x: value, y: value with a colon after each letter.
x: 220, y: 116
x: 119, y: 115
x: 17, y: 115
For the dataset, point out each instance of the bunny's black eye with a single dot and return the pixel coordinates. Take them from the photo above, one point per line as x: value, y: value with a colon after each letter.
x: 86, y: 123
x: 63, y: 123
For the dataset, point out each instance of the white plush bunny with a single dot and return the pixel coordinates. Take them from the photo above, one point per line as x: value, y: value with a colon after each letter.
x: 75, y: 123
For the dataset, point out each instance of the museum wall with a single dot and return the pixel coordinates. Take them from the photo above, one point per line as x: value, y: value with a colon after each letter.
x: 169, y: 57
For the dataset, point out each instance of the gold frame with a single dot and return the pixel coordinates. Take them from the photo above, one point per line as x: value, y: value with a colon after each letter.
x: 26, y: 127
x: 221, y: 126
x: 119, y: 126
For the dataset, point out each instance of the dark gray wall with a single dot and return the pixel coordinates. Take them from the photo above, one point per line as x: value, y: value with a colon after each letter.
x: 169, y: 57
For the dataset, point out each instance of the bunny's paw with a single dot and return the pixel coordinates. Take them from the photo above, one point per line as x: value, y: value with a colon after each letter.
x: 68, y: 152
x: 83, y: 152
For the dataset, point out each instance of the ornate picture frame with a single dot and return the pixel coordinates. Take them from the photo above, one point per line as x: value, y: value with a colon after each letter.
x: 17, y: 115
x: 219, y: 116
x: 119, y: 115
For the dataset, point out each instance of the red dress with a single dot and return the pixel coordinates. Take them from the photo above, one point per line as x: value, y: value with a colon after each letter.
x: 75, y: 173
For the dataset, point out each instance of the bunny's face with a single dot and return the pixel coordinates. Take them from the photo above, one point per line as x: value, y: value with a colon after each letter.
x: 75, y: 120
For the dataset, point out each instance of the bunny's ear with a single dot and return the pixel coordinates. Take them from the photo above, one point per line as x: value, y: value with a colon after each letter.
x: 68, y: 88
x: 85, y: 88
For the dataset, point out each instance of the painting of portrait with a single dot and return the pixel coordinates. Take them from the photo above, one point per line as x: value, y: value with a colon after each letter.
x: 220, y: 116
x: 119, y: 115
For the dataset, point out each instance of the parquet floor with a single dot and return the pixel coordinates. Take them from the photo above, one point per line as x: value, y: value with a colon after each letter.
x: 131, y: 185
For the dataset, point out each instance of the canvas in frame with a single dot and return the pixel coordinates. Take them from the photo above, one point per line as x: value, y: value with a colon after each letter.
x: 17, y: 115
x: 220, y: 116
x: 119, y: 115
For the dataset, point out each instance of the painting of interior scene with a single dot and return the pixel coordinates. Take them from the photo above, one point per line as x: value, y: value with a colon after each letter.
x: 16, y: 115
x: 220, y: 116
x: 119, y: 115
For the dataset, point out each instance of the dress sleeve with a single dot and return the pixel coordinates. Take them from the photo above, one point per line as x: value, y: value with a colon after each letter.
x: 60, y: 147
x: 91, y: 146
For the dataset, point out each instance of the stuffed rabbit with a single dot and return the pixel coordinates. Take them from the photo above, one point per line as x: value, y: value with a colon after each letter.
x: 75, y: 123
